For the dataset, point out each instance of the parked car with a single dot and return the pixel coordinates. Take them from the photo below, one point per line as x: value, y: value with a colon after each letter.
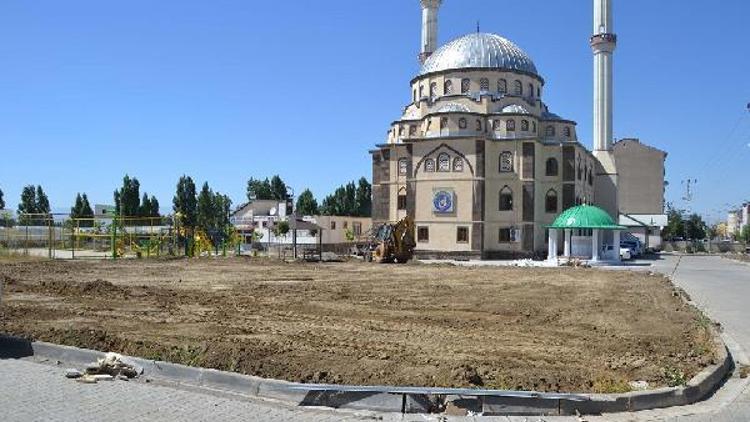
x: 626, y: 254
x: 632, y: 247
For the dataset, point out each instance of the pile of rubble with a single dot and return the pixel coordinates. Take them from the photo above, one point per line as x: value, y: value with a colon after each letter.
x: 109, y: 368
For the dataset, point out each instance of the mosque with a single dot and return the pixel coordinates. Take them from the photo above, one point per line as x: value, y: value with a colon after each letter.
x: 483, y: 166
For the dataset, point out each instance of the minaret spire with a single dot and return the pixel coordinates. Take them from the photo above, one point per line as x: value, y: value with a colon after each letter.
x: 603, y: 42
x: 430, y: 10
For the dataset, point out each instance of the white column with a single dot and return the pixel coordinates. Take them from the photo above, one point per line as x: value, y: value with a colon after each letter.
x: 567, y: 243
x: 617, y: 245
x: 430, y: 10
x: 552, y: 246
x: 595, y: 246
x: 603, y: 42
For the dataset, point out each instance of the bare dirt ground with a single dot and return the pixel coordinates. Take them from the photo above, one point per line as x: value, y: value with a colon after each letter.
x: 573, y: 330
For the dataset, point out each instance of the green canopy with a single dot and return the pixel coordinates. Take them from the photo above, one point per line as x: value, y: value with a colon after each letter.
x: 585, y: 217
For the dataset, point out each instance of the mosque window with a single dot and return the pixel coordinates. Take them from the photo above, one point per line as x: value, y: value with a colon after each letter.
x: 518, y: 88
x: 533, y: 127
x: 444, y: 162
x: 429, y: 165
x: 591, y: 177
x: 479, y: 125
x: 538, y: 92
x: 505, y: 235
x: 423, y: 234
x: 552, y: 167
x: 496, y: 124
x: 401, y: 131
x: 448, y: 87
x: 484, y: 85
x: 550, y: 202
x: 458, y: 164
x: 462, y: 123
x: 465, y: 85
x: 550, y: 131
x: 510, y: 125
x: 412, y: 130
x: 403, y: 165
x: 429, y: 124
x: 421, y: 91
x: 502, y: 86
x: 506, y: 199
x: 414, y: 96
x: 525, y: 125
x: 433, y: 90
x: 443, y: 123
x: 462, y: 235
x: 567, y: 131
x: 579, y: 174
x: 506, y: 162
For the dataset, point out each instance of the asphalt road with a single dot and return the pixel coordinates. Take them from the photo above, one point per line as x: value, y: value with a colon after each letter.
x: 38, y: 392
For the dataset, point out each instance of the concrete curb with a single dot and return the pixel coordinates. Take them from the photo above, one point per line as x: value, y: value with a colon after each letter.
x: 398, y: 399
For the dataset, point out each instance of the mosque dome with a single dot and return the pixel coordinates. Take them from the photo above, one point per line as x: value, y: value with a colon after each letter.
x: 453, y: 108
x: 479, y: 51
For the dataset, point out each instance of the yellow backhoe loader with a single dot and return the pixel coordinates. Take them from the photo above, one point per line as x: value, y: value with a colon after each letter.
x: 394, y: 242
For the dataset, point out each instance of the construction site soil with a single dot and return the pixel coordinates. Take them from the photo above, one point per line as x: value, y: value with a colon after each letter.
x: 560, y: 330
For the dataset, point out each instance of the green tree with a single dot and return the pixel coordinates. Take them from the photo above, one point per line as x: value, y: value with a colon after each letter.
x: 259, y: 190
x: 306, y: 203
x: 42, y: 202
x: 128, y: 198
x: 185, y: 204
x: 349, y: 200
x: 206, y: 210
x: 675, y: 224
x: 278, y: 189
x: 27, y: 205
x: 2, y: 200
x: 364, y: 198
x: 696, y: 227
x: 744, y: 235
x: 281, y: 228
x: 82, y: 210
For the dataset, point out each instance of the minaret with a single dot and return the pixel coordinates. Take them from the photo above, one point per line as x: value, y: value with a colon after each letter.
x: 430, y: 10
x: 603, y: 42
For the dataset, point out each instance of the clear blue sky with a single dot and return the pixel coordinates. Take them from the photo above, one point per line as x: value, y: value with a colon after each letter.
x: 224, y: 90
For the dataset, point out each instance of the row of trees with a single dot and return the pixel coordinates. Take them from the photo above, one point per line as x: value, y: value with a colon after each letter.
x: 206, y: 213
x: 691, y: 228
x: 352, y: 200
x: 128, y: 201
x: 33, y: 201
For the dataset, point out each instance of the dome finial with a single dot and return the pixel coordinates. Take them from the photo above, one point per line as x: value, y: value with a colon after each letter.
x: 477, y: 26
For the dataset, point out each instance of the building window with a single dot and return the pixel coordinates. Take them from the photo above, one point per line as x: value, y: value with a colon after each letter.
x: 401, y: 203
x: 591, y: 178
x: 448, y: 87
x: 506, y: 199
x: 550, y: 131
x: 518, y: 88
x: 578, y: 173
x: 533, y: 127
x: 567, y: 132
x: 333, y: 225
x: 414, y: 96
x: 412, y: 130
x: 444, y: 162
x: 465, y: 86
x: 484, y: 85
x: 401, y: 131
x: 433, y: 90
x: 510, y: 125
x: 525, y: 125
x: 551, y: 167
x: 531, y: 90
x: 550, y: 202
x: 496, y: 124
x: 429, y: 124
x: 462, y: 235
x: 357, y: 227
x: 502, y: 86
x: 421, y: 92
x: 423, y: 234
x: 429, y: 165
x: 505, y: 236
x: 538, y: 92
x: 462, y: 123
x: 506, y: 162
x: 443, y: 123
x: 346, y: 225
x: 479, y: 125
x: 403, y: 165
x: 458, y: 164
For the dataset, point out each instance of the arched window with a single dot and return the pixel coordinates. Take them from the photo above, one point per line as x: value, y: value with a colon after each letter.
x: 496, y: 124
x: 525, y: 125
x: 550, y: 131
x: 579, y: 174
x: 567, y: 131
x: 429, y: 165
x: 518, y: 88
x: 462, y: 123
x: 414, y: 96
x: 533, y: 127
x: 421, y: 92
x: 484, y: 85
x: 510, y: 125
x: 465, y: 85
x: 506, y: 162
x: 401, y: 131
x: 591, y: 177
x: 412, y: 130
x: 448, y: 87
x: 550, y: 202
x: 506, y: 199
x: 458, y: 164
x: 433, y: 90
x: 443, y: 123
x: 551, y: 167
x: 401, y: 204
x: 444, y: 162
x: 479, y: 125
x: 403, y: 165
x: 502, y: 86
x: 429, y: 124
x: 538, y: 92
x: 531, y: 90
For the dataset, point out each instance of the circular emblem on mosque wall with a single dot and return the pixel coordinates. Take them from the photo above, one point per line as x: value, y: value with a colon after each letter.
x: 443, y: 202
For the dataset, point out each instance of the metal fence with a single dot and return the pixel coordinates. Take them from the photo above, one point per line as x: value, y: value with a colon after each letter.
x: 63, y: 237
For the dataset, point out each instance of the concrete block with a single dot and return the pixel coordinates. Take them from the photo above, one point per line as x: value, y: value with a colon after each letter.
x: 230, y: 381
x: 462, y: 405
x: 656, y: 399
x: 378, y: 402
x: 519, y: 406
x: 597, y: 405
x: 422, y: 403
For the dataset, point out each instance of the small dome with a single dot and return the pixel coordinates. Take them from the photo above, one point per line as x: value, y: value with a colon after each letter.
x: 514, y: 109
x: 480, y: 50
x: 585, y: 217
x: 550, y: 116
x: 453, y: 108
